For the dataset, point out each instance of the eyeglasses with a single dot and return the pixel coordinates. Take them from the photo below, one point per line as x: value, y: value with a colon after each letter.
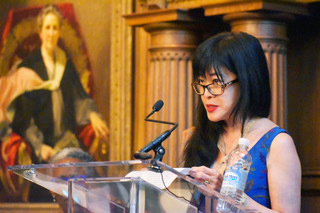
x: 214, y: 88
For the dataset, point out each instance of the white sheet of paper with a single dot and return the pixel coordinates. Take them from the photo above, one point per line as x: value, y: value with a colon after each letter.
x: 157, y: 178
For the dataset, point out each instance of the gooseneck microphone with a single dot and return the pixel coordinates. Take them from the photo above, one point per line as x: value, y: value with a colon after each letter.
x: 156, y: 143
x: 156, y: 107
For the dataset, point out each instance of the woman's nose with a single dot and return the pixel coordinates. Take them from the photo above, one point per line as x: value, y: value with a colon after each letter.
x: 207, y: 94
x: 51, y: 32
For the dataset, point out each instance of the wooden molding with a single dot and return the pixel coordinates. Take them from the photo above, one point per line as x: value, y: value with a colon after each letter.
x: 311, y: 179
x: 311, y: 172
x: 255, y: 5
x: 29, y: 207
x: 120, y: 83
x: 156, y: 16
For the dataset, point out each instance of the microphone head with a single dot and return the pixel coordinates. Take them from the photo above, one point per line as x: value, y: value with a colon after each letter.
x: 158, y: 105
x: 142, y: 155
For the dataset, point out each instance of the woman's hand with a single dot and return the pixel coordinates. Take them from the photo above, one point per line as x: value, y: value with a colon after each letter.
x: 210, y: 177
x: 100, y: 128
x: 46, y: 152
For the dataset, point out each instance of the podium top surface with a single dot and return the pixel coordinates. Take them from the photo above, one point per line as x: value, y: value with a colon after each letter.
x: 52, y: 175
x: 150, y: 174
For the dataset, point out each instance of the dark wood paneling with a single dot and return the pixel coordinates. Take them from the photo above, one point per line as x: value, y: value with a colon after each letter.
x: 304, y: 103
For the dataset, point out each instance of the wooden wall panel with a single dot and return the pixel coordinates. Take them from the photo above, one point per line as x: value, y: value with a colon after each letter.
x: 293, y: 59
x: 304, y: 103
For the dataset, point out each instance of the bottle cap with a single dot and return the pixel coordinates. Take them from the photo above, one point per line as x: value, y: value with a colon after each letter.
x: 244, y: 142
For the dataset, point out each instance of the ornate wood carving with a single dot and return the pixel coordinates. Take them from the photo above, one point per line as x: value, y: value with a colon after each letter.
x: 270, y: 29
x: 265, y: 19
x: 168, y: 78
x: 157, y: 16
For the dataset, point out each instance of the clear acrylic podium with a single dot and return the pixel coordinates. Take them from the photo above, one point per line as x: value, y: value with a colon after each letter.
x: 119, y: 186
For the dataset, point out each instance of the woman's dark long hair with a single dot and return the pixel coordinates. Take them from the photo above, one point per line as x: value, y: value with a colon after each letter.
x: 242, y: 55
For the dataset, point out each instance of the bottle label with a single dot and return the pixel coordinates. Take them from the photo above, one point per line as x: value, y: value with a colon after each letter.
x: 235, y: 178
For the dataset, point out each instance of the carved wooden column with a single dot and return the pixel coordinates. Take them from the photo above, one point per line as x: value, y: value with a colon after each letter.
x: 169, y: 76
x: 168, y: 60
x: 270, y: 29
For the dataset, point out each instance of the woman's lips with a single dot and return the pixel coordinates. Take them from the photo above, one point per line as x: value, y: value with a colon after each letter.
x: 211, y: 107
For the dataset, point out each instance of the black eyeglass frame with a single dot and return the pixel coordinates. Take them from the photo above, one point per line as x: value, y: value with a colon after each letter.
x: 222, y: 86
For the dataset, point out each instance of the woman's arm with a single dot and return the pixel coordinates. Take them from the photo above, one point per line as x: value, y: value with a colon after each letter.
x: 85, y: 107
x: 284, y: 177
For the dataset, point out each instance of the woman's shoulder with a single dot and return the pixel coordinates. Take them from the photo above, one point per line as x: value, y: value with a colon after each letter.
x: 266, y: 125
x: 32, y: 59
x: 281, y: 139
x: 263, y: 131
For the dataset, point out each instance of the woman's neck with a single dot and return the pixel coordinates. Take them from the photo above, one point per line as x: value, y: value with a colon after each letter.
x: 49, y: 61
x: 232, y: 127
x: 47, y: 54
x: 233, y: 132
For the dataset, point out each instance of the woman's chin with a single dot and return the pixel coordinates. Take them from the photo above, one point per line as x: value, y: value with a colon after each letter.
x: 213, y: 118
x: 50, y: 47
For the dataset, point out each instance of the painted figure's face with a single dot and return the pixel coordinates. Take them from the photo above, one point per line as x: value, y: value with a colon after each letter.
x: 50, y: 31
x: 219, y: 107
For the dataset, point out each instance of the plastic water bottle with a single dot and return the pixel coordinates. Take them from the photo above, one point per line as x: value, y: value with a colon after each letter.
x: 235, y: 176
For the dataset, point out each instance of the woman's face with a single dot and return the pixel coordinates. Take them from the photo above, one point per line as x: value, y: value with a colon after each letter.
x: 219, y: 107
x: 50, y: 31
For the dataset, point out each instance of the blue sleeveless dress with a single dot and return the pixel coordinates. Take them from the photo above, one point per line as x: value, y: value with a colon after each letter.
x: 257, y: 182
